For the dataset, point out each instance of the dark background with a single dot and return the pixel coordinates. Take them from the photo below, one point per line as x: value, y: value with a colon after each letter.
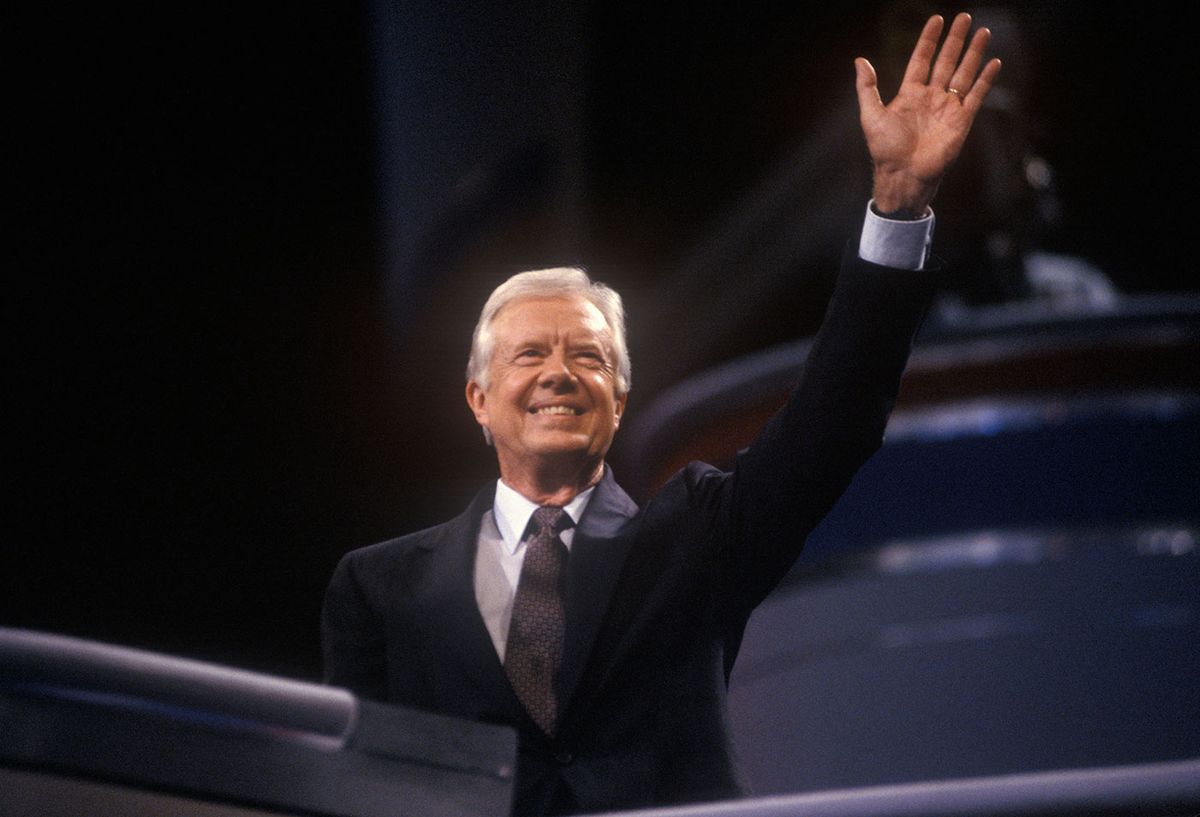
x: 250, y: 244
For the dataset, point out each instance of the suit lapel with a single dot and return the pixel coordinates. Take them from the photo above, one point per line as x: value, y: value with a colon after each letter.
x: 597, y: 555
x: 445, y: 592
x: 457, y: 632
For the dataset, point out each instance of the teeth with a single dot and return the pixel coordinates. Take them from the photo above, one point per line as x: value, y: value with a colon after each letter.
x: 555, y: 410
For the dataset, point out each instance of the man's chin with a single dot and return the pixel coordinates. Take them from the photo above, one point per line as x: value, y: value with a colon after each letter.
x: 562, y: 447
x: 560, y: 444
x: 564, y: 443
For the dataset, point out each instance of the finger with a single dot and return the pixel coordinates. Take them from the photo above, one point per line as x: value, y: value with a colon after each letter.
x: 969, y: 66
x: 951, y: 49
x: 974, y: 98
x: 922, y: 55
x: 867, y: 84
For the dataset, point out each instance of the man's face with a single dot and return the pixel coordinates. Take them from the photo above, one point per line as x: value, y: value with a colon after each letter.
x: 551, y: 395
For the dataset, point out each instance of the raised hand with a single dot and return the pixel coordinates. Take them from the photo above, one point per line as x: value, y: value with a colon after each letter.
x: 915, y: 137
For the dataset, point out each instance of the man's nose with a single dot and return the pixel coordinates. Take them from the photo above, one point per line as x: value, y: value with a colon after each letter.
x: 556, y: 372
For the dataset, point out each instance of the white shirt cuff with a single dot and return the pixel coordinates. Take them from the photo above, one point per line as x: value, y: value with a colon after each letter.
x: 892, y: 243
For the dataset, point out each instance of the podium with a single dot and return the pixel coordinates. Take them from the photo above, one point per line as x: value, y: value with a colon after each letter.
x: 89, y: 728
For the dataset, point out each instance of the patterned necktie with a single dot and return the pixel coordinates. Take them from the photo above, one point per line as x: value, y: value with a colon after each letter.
x: 533, y: 655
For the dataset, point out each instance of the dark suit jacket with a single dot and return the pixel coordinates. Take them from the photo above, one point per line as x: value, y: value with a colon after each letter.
x: 658, y: 597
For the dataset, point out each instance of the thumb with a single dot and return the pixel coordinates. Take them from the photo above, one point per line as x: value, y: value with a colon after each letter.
x: 867, y: 85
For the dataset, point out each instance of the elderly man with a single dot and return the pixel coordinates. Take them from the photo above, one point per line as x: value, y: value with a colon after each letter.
x: 603, y: 632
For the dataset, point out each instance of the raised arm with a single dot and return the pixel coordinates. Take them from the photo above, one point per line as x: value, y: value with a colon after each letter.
x: 915, y: 137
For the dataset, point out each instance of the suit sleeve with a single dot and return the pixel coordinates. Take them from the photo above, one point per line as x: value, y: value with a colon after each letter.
x: 352, y: 638
x: 804, y: 458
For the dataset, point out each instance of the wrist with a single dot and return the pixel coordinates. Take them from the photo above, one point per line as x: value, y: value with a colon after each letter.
x: 901, y: 196
x: 898, y: 215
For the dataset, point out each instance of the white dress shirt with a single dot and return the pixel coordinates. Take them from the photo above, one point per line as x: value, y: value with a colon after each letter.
x: 500, y: 553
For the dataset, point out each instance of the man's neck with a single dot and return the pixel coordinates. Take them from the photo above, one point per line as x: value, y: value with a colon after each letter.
x: 551, y: 489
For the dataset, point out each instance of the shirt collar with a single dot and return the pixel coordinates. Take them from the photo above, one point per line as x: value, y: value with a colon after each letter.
x: 512, y: 512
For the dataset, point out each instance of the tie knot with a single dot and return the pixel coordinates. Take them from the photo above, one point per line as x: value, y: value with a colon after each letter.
x: 549, y: 519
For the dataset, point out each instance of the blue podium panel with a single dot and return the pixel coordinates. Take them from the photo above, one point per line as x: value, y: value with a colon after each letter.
x: 993, y: 652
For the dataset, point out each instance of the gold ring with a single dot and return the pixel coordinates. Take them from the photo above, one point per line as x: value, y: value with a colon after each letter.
x: 956, y: 92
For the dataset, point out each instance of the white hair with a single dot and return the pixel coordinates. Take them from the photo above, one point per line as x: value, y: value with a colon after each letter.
x: 548, y: 283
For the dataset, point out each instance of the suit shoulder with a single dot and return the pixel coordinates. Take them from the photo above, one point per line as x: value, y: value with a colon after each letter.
x: 700, y: 476
x: 696, y: 482
x: 400, y: 546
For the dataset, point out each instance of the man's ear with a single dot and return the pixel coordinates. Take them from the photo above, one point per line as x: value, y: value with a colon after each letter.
x: 477, y: 400
x: 620, y: 408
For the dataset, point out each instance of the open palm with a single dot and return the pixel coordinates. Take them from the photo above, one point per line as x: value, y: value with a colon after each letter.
x: 915, y: 137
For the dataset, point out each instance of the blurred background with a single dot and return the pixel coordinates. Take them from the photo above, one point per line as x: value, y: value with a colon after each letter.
x: 250, y: 243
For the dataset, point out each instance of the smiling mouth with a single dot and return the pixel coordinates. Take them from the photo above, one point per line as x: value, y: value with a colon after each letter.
x: 556, y: 410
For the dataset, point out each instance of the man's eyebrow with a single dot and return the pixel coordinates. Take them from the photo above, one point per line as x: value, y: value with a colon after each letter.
x: 593, y: 341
